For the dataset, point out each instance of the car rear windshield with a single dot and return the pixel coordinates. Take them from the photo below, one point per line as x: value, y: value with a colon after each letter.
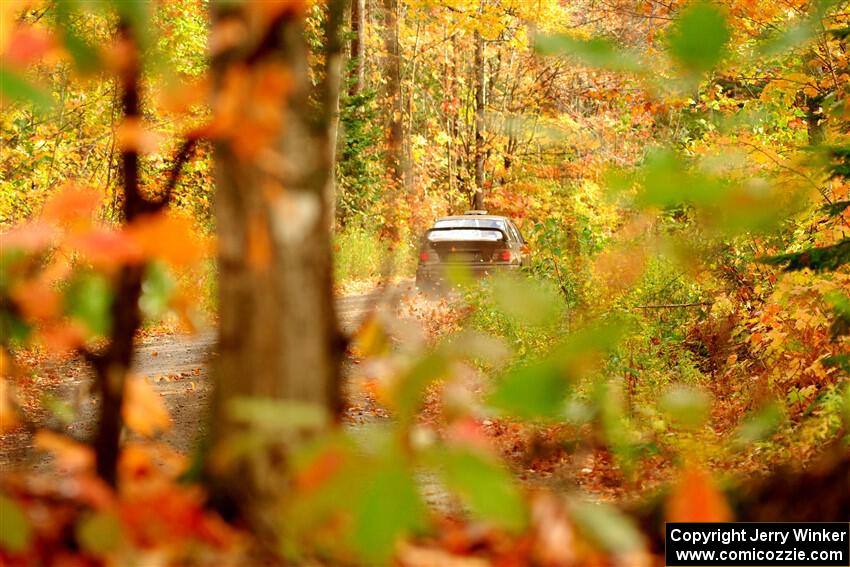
x: 471, y: 223
x: 465, y: 234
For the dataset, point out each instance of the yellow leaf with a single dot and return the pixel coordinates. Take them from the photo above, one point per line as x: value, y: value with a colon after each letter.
x: 371, y: 339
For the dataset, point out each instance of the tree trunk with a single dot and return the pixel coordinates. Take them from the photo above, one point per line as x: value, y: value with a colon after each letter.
x: 393, y: 74
x: 358, y: 27
x: 278, y: 333
x: 480, y: 78
x: 331, y: 90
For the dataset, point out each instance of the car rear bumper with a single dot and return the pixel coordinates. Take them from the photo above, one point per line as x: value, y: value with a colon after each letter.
x: 435, y: 274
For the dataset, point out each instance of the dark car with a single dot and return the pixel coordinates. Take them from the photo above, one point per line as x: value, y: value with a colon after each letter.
x: 479, y: 243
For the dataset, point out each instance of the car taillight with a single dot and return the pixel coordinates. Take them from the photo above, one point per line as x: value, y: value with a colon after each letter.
x: 504, y: 255
x: 424, y: 256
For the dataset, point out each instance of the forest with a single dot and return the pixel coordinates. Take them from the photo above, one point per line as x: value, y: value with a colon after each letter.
x: 216, y: 345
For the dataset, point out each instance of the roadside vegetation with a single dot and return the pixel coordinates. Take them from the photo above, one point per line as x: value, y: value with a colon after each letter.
x: 677, y: 349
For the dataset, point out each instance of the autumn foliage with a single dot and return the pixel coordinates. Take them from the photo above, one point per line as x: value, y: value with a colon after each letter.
x: 677, y: 349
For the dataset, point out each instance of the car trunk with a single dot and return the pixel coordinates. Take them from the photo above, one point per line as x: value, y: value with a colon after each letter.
x: 467, y: 252
x: 466, y: 246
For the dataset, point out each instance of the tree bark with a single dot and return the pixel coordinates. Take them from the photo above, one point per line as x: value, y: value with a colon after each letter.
x: 278, y: 332
x: 480, y: 79
x: 330, y: 91
x: 393, y: 73
x: 358, y: 26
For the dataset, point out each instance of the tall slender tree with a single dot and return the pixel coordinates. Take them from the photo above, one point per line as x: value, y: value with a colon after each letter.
x: 480, y: 85
x: 395, y: 132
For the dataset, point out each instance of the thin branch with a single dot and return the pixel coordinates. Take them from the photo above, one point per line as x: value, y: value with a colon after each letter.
x: 674, y: 305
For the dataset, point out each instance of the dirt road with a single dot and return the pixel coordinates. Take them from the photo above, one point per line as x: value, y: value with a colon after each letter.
x: 177, y: 365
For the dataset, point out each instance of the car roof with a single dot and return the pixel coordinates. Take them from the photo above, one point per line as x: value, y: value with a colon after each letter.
x: 469, y: 217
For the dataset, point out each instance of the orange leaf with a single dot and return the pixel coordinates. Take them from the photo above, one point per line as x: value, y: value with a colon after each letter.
x: 59, y: 338
x: 107, y: 248
x: 31, y: 237
x: 132, y: 136
x: 144, y: 411
x: 28, y: 44
x: 168, y: 237
x: 37, y: 300
x: 695, y: 498
x: 72, y: 206
x: 69, y: 454
x: 8, y: 415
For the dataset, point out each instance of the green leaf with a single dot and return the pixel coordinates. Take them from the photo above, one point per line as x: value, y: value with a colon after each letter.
x: 15, y: 532
x: 840, y: 304
x: 277, y: 415
x: 799, y: 32
x: 484, y: 485
x: 532, y: 392
x: 607, y: 526
x: 411, y: 388
x: 687, y: 406
x: 836, y: 208
x: 538, y: 390
x: 525, y: 300
x: 596, y: 52
x: 825, y: 258
x: 760, y: 425
x: 99, y: 533
x: 85, y: 56
x: 89, y: 299
x: 59, y: 408
x: 841, y: 361
x: 389, y: 509
x: 157, y: 288
x: 137, y: 14
x: 20, y: 90
x: 699, y: 37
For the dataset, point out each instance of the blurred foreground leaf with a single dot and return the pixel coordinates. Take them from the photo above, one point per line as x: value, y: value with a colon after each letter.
x: 533, y: 391
x: 526, y: 300
x: 698, y: 39
x: 595, y: 52
x: 15, y: 533
x: 687, y: 406
x: 760, y: 425
x: 99, y: 533
x: 607, y: 526
x: 483, y: 484
x: 388, y: 509
x: 538, y: 390
x: 277, y: 415
x: 19, y: 89
x: 89, y: 299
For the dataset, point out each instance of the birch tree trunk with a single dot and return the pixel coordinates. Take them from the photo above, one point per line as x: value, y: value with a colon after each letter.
x: 478, y: 196
x: 393, y: 74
